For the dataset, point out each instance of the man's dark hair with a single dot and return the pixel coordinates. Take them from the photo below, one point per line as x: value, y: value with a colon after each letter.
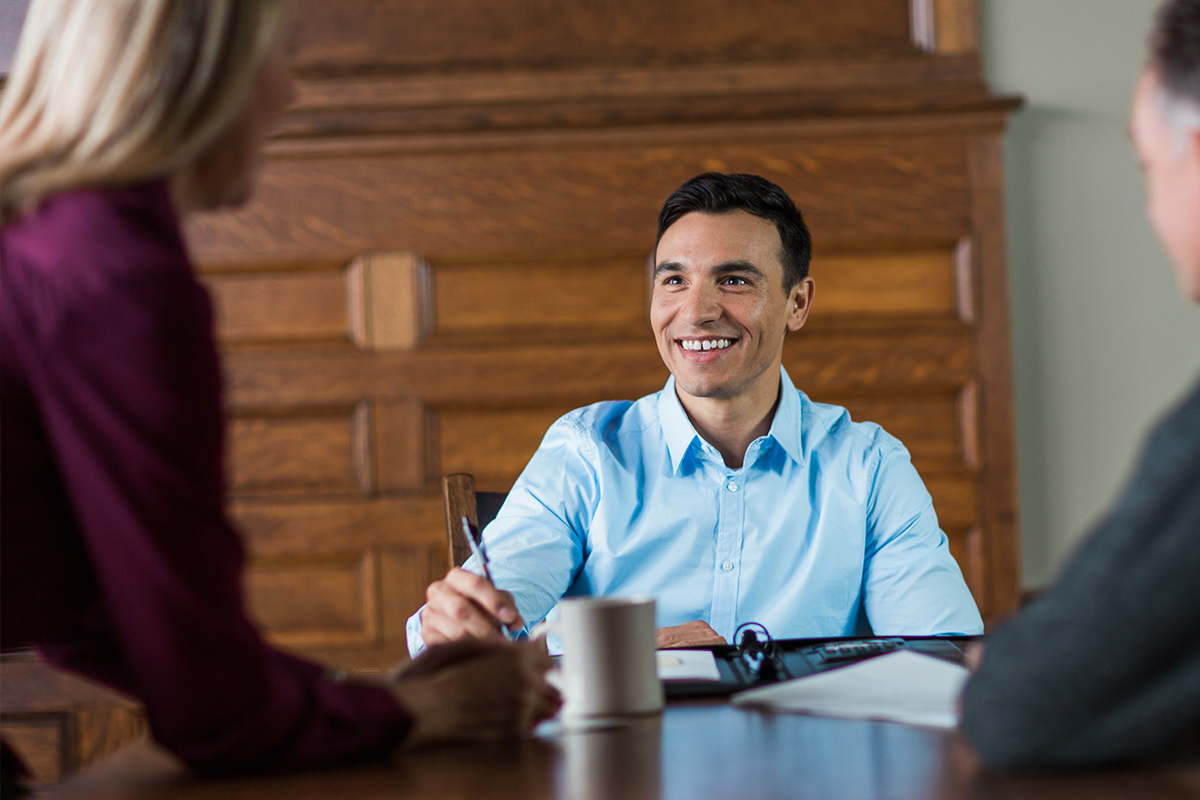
x: 1175, y: 49
x: 715, y: 193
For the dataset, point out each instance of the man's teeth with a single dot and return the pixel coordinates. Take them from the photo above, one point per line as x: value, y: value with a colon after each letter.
x: 706, y: 344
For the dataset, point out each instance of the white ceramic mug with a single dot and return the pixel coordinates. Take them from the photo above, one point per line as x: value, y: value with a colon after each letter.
x: 609, y: 665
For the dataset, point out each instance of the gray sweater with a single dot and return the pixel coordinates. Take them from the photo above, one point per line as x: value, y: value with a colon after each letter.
x: 1105, y: 666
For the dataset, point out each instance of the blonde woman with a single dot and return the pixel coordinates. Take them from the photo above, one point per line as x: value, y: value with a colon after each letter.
x: 119, y: 563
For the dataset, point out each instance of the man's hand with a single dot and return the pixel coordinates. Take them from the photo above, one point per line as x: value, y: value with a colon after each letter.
x: 475, y: 690
x: 973, y: 655
x: 465, y: 605
x: 689, y: 634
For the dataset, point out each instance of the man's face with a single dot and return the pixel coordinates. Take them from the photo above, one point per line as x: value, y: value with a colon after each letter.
x: 718, y: 284
x: 1171, y: 165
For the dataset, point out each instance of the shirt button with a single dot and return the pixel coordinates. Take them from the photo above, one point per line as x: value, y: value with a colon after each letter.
x: 731, y: 486
x: 727, y: 566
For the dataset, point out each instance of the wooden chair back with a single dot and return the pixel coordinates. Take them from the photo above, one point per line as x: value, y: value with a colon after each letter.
x: 461, y: 500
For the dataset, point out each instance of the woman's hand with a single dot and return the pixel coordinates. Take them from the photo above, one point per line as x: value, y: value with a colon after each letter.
x: 473, y: 690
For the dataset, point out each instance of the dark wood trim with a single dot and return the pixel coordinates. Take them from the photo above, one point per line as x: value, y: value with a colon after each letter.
x: 985, y: 115
x: 998, y: 503
x: 458, y: 491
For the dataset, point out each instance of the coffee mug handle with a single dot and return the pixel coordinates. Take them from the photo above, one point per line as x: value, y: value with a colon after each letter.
x: 543, y: 629
x: 540, y: 631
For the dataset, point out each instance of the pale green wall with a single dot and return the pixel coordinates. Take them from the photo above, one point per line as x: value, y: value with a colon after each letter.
x: 1102, y: 341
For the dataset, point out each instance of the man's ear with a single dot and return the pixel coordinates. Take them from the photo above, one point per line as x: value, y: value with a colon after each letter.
x: 800, y: 299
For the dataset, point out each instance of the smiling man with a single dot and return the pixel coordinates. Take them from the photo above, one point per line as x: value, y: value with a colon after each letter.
x: 729, y: 496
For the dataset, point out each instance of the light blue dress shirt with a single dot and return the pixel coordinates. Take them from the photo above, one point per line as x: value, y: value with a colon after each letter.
x: 826, y: 530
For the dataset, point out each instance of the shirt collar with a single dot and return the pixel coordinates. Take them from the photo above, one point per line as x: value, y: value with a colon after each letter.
x: 676, y: 426
x: 680, y: 433
x: 786, y: 426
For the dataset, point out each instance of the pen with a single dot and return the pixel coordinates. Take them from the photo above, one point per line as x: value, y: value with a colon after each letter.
x: 475, y: 541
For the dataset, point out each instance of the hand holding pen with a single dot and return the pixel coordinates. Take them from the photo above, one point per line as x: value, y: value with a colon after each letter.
x: 475, y: 541
x: 464, y: 604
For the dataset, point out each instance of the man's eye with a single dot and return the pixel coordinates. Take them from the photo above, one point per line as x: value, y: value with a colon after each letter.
x: 734, y: 280
x: 672, y: 280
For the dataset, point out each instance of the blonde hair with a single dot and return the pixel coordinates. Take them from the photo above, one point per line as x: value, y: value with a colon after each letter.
x: 112, y: 92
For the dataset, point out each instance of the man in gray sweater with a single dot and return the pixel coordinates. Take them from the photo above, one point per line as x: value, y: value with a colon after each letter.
x: 1106, y: 665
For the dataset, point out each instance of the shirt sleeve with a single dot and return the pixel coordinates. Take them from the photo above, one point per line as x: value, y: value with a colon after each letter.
x: 1105, y: 666
x: 128, y: 387
x: 536, y: 544
x: 911, y: 583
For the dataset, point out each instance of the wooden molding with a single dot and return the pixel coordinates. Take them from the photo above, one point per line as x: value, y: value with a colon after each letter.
x: 956, y: 26
x: 964, y: 281
x: 980, y: 114
x: 985, y: 164
x: 389, y: 301
x: 631, y: 83
x: 399, y: 444
x: 946, y: 27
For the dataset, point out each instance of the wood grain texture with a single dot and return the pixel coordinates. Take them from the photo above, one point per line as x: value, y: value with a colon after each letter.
x: 336, y: 525
x: 887, y: 283
x: 582, y: 372
x: 389, y: 300
x: 354, y: 35
x: 398, y: 441
x: 694, y: 749
x: 956, y: 26
x: 493, y: 444
x: 299, y: 451
x: 339, y: 603
x: 275, y: 306
x: 404, y: 572
x: 458, y: 491
x: 497, y: 298
x: 994, y: 357
x: 577, y: 200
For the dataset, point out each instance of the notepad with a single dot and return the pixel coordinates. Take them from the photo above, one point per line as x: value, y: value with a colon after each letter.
x: 898, y: 687
x: 687, y: 665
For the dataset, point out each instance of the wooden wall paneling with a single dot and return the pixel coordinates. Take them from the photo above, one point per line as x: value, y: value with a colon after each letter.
x: 300, y: 450
x: 338, y: 606
x: 862, y: 358
x: 946, y: 27
x: 388, y: 300
x: 994, y: 357
x: 404, y: 574
x: 400, y: 445
x: 574, y: 199
x: 493, y: 444
x: 929, y: 425
x: 338, y: 525
x: 456, y: 34
x: 604, y: 294
x: 890, y: 282
x: 261, y: 307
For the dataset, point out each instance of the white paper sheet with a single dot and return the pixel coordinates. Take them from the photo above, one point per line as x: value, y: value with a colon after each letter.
x: 687, y: 665
x: 900, y: 687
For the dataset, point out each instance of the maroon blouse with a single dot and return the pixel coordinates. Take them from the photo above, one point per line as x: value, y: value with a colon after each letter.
x: 118, y: 561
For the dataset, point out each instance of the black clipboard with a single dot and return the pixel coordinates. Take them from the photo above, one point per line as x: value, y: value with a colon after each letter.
x: 796, y: 658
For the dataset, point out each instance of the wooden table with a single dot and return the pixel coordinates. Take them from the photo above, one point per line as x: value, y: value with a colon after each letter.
x: 695, y: 750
